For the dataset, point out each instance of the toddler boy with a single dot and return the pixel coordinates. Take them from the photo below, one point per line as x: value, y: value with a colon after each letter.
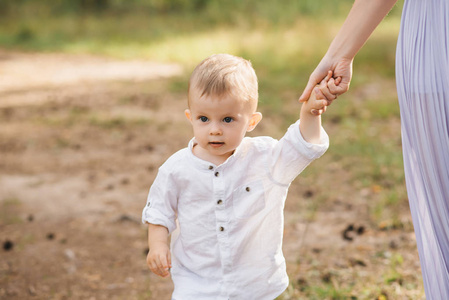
x: 222, y: 197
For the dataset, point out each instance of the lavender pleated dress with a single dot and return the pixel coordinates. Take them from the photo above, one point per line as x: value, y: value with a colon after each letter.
x: 422, y: 73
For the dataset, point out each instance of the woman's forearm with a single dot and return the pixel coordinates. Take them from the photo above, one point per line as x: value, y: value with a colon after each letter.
x: 363, y: 18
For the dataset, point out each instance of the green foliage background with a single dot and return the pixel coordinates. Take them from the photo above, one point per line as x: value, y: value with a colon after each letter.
x: 284, y: 39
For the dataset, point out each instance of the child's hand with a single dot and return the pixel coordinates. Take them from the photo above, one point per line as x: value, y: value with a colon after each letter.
x: 159, y: 260
x: 318, y: 102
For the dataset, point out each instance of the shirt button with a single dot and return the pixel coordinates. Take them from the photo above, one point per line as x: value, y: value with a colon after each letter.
x: 216, y: 174
x: 211, y: 167
x: 248, y: 189
x: 148, y: 204
x: 219, y: 202
x: 221, y: 228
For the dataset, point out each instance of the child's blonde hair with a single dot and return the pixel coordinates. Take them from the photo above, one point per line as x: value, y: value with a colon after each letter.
x: 222, y: 74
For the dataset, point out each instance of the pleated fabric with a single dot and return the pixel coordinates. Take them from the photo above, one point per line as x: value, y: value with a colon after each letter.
x: 422, y: 74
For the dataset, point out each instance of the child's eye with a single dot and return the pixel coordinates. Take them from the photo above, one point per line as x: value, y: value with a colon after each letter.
x: 204, y: 119
x: 228, y: 120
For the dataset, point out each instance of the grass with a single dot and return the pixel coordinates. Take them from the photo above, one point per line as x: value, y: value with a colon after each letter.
x: 8, y: 207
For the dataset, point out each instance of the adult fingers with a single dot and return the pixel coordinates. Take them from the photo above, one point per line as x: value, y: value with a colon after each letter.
x: 315, y: 78
x: 326, y: 79
x: 308, y: 90
x: 338, y: 80
x: 338, y: 86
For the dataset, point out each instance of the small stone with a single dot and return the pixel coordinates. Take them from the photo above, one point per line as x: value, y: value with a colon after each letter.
x: 32, y: 290
x: 357, y: 262
x: 129, y: 280
x: 361, y: 230
x: 393, y: 244
x: 8, y: 245
x: 302, y: 283
x: 326, y: 277
x: 128, y: 218
x: 70, y: 254
x: 346, y: 234
x: 308, y: 194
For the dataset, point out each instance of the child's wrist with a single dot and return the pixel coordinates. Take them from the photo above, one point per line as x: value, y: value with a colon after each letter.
x: 308, y: 109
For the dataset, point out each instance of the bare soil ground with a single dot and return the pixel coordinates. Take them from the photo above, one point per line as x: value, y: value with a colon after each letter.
x: 81, y: 138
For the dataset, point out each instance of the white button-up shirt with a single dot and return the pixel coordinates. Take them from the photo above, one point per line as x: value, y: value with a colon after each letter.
x: 227, y: 221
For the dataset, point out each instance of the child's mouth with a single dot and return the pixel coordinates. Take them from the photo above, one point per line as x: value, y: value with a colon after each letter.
x: 216, y: 144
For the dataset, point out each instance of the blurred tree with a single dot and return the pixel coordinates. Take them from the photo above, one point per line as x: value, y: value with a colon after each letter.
x: 94, y: 5
x: 266, y: 8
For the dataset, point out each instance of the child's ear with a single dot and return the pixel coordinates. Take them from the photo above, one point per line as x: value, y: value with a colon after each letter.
x: 188, y: 114
x: 255, y: 119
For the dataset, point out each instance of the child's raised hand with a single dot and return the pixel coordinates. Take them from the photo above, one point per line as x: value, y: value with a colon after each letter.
x: 159, y: 260
x: 318, y: 99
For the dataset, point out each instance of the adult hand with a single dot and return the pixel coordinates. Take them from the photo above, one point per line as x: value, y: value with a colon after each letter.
x: 337, y: 85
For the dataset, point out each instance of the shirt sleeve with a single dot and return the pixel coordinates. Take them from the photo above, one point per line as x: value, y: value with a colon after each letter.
x: 292, y: 154
x: 161, y: 205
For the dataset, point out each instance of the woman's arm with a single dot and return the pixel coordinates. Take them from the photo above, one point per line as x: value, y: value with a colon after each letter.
x: 363, y: 18
x: 361, y: 21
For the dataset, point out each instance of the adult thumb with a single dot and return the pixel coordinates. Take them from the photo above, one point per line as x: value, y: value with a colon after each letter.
x: 307, y: 91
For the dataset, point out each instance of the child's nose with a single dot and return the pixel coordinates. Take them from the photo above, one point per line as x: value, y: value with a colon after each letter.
x: 215, y: 130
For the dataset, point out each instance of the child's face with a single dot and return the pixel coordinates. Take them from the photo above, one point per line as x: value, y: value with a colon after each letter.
x: 219, y: 125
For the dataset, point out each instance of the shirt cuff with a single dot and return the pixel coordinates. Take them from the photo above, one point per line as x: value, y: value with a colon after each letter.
x: 154, y: 216
x: 311, y: 151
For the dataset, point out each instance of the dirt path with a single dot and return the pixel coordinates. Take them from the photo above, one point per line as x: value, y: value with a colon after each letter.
x: 25, y: 75
x: 75, y: 168
x: 81, y: 138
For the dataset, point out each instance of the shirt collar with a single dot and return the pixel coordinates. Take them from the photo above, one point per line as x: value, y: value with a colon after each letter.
x: 205, y: 165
